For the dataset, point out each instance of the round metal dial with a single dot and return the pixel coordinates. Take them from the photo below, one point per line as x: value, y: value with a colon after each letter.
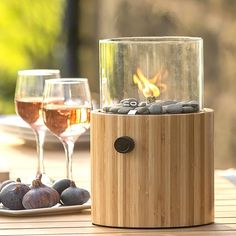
x: 124, y: 144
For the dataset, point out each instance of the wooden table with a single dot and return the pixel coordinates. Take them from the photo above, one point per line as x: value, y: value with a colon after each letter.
x: 21, y: 161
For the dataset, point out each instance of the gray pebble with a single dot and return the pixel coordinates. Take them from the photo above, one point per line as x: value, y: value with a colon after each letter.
x: 183, y: 103
x: 188, y: 109
x: 133, y: 103
x: 155, y: 109
x: 142, y: 110
x: 174, y: 108
x: 114, y: 109
x: 166, y: 103
x: 124, y: 110
x: 194, y: 104
x: 164, y: 109
x: 129, y: 102
x: 122, y: 101
x: 106, y: 109
x: 142, y: 104
x: 149, y: 104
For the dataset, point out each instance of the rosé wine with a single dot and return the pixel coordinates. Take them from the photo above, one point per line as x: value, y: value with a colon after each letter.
x: 66, y: 121
x: 30, y: 110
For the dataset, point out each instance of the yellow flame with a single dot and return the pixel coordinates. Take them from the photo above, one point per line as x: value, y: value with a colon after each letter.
x: 150, y: 87
x: 138, y: 82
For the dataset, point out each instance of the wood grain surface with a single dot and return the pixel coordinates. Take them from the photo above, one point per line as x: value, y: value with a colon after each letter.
x: 80, y: 223
x: 166, y: 181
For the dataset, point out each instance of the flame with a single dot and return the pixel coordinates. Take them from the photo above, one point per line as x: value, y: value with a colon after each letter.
x: 150, y: 87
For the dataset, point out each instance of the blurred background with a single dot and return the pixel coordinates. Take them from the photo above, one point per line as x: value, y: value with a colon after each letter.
x: 64, y: 34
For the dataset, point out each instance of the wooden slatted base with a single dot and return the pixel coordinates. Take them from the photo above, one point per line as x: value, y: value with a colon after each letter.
x: 166, y: 181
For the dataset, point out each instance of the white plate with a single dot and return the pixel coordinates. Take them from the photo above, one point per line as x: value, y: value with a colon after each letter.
x: 56, y: 210
x: 13, y: 124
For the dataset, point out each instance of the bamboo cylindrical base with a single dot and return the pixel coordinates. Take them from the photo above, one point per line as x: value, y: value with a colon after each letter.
x: 167, y: 180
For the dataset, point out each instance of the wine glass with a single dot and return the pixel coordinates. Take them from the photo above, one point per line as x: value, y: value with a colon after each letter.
x: 66, y: 112
x: 28, y: 105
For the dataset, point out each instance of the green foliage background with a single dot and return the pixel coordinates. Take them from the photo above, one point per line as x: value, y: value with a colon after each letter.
x: 29, y: 30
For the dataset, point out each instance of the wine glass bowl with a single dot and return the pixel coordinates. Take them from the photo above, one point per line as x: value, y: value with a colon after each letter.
x: 66, y: 112
x: 67, y: 123
x: 28, y: 105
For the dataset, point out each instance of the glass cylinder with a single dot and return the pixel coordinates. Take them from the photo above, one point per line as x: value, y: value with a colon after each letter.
x: 166, y: 68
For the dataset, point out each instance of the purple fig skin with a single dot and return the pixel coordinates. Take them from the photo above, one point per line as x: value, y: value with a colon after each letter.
x: 61, y: 185
x: 40, y: 196
x: 12, y: 194
x: 4, y: 183
x: 74, y: 196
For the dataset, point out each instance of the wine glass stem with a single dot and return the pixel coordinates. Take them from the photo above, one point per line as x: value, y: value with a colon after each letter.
x: 69, y: 148
x: 40, y: 136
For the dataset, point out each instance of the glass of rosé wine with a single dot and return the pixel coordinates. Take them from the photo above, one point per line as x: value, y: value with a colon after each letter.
x: 28, y: 105
x: 66, y: 112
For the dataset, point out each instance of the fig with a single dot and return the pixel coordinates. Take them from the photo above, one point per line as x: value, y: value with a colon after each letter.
x: 61, y: 185
x: 74, y: 195
x: 12, y: 194
x: 4, y: 183
x: 40, y: 196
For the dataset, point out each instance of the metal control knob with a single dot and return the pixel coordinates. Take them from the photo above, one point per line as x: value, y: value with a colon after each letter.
x: 124, y: 144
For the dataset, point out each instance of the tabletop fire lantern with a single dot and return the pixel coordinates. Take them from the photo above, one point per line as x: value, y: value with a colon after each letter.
x: 152, y: 140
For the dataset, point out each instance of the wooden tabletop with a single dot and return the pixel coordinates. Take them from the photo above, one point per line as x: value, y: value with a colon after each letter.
x: 20, y: 161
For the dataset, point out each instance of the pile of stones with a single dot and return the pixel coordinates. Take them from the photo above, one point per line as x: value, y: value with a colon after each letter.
x: 132, y: 106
